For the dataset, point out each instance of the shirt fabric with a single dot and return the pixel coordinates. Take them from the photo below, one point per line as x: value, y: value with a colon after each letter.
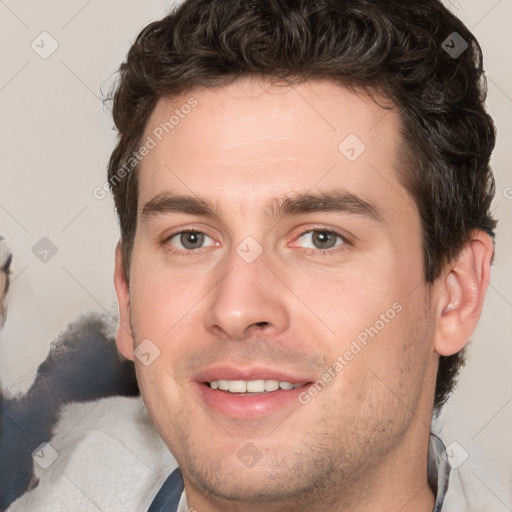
x: 171, y: 496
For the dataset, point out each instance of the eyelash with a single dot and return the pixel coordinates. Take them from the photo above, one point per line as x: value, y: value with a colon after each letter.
x: 332, y: 250
x: 314, y: 252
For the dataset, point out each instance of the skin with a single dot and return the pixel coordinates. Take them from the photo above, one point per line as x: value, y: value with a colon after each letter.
x: 361, y: 443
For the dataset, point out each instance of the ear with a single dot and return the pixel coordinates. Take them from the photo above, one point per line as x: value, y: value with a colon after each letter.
x: 124, y: 337
x: 461, y: 294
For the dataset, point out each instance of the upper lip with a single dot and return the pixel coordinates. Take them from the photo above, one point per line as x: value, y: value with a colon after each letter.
x: 230, y: 372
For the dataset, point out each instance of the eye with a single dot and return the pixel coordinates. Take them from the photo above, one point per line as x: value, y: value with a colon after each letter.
x: 190, y: 240
x: 321, y: 239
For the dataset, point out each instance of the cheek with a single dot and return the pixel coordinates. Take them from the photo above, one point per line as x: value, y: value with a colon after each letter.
x: 355, y: 297
x: 399, y: 353
x: 161, y: 300
x: 383, y: 370
x: 163, y: 398
x: 377, y: 318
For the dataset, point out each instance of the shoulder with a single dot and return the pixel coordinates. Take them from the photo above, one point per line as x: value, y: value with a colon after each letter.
x: 107, y: 456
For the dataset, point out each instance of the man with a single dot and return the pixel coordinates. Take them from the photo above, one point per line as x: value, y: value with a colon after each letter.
x: 303, y: 190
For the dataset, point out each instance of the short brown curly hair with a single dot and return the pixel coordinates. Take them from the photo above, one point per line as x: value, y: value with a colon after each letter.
x: 401, y: 50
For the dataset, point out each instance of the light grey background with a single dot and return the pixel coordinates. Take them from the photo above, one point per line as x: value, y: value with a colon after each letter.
x: 56, y: 137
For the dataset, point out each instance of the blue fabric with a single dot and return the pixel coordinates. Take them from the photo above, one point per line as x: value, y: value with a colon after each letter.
x: 168, y: 497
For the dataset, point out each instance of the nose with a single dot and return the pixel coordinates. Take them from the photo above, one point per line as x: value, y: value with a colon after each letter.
x: 248, y: 297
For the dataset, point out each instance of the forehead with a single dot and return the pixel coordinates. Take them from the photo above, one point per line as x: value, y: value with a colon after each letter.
x: 252, y: 140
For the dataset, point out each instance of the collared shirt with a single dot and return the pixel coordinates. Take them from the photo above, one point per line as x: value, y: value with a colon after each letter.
x: 183, y: 505
x: 171, y: 496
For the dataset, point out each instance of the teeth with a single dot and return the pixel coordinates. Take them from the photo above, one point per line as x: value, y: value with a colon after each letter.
x: 251, y: 386
x: 237, y: 386
x: 271, y: 385
x: 255, y: 386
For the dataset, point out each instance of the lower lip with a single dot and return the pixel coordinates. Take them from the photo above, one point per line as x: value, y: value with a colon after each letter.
x: 254, y: 406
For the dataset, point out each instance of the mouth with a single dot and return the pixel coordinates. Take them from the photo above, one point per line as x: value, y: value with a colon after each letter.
x: 252, y: 387
x: 249, y: 394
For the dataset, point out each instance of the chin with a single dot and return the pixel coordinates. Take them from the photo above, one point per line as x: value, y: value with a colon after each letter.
x: 249, y: 485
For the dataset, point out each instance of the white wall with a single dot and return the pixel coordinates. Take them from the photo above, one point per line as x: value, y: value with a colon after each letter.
x: 56, y: 137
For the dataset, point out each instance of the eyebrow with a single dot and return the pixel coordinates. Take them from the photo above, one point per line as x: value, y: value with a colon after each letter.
x: 330, y: 201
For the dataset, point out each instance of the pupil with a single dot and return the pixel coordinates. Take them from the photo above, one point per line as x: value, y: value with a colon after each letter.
x: 192, y: 240
x: 324, y: 239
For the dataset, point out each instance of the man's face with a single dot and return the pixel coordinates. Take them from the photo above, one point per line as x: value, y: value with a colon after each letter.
x: 275, y: 289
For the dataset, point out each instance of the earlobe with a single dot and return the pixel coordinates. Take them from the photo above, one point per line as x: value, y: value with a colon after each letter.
x: 124, y: 338
x: 461, y: 294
